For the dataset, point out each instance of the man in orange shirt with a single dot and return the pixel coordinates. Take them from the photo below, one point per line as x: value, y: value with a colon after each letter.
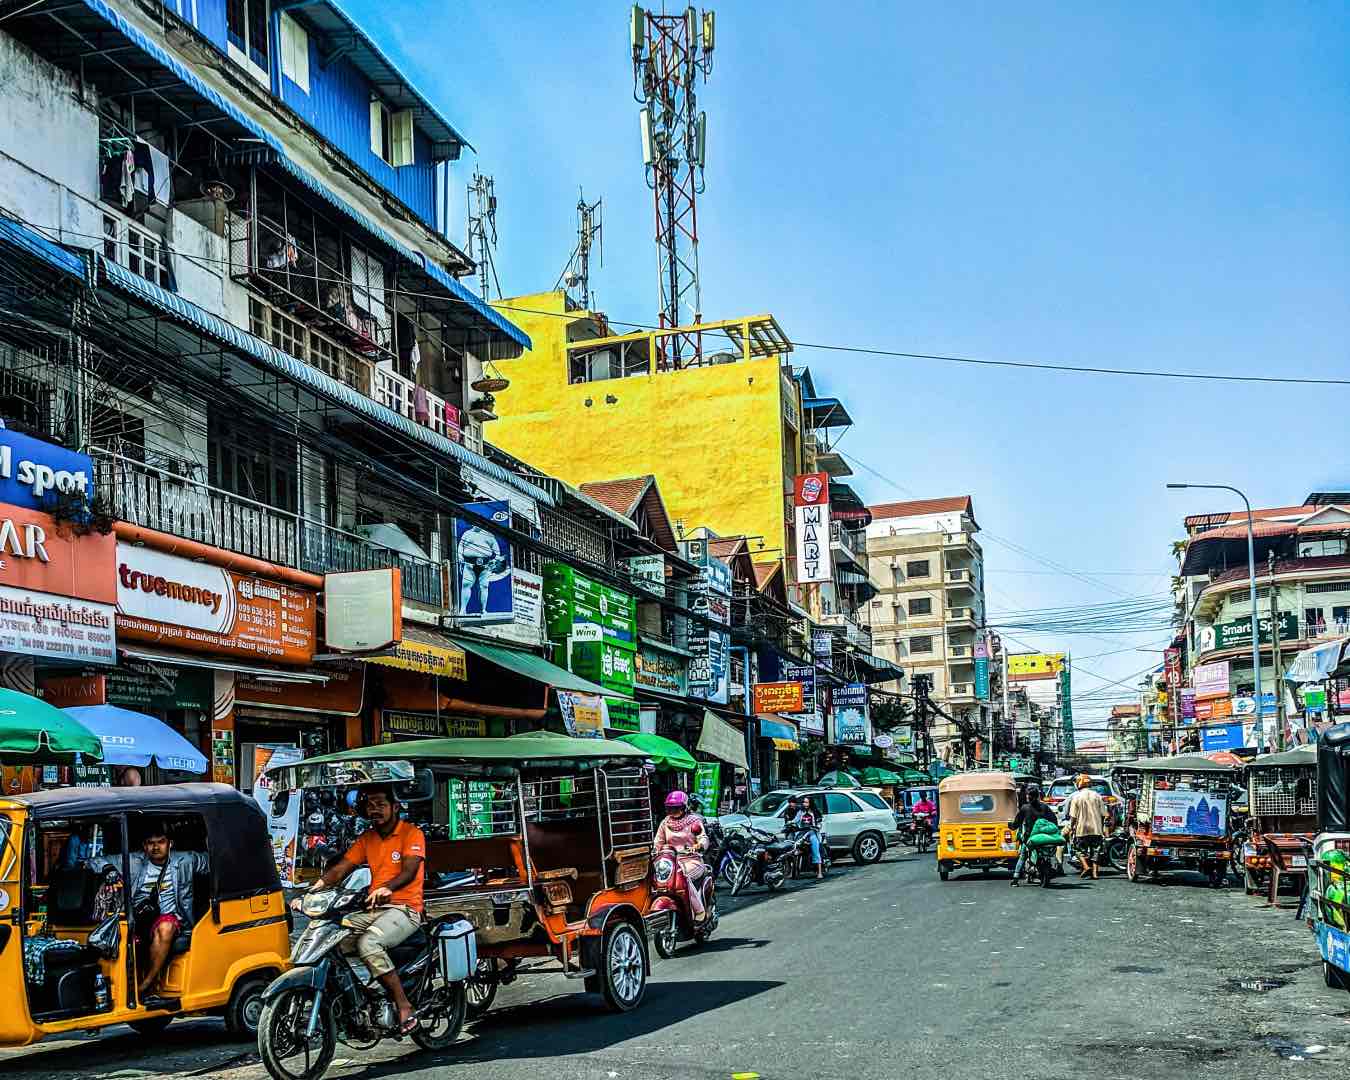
x: 394, y: 851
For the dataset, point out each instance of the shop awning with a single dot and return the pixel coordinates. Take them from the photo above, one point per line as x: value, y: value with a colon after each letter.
x: 776, y: 728
x: 262, y: 674
x: 1319, y: 662
x: 530, y: 666
x: 783, y: 744
x: 423, y: 651
x: 721, y: 740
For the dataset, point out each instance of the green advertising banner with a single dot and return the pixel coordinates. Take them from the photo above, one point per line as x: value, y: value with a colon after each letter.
x: 1230, y: 635
x: 575, y: 605
x: 160, y: 688
x: 473, y: 817
x: 624, y: 714
x: 609, y: 664
x: 708, y: 786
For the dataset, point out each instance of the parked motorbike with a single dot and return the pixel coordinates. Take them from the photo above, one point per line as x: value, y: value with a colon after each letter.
x: 328, y: 996
x: 669, y: 886
x: 1116, y: 848
x: 1043, y: 866
x: 766, y: 860
x: 801, y: 841
x: 719, y: 854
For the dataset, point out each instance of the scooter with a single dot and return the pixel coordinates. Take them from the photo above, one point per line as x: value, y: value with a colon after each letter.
x: 328, y: 996
x: 767, y: 860
x: 669, y: 886
x: 801, y: 846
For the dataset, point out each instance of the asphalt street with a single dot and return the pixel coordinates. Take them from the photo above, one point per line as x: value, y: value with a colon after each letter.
x: 883, y: 972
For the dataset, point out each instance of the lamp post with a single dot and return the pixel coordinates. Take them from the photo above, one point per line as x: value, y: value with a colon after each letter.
x: 1256, y: 619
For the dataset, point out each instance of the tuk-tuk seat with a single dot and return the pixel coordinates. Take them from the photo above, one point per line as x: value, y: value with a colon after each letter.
x: 479, y: 853
x: 564, y: 872
x: 71, y: 894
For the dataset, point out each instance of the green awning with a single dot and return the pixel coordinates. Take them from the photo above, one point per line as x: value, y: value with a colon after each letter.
x: 33, y: 732
x: 530, y: 666
x: 667, y: 753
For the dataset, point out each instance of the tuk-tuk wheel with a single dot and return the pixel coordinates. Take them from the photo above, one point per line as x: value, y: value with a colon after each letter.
x: 1132, y: 864
x: 1334, y: 977
x: 151, y: 1025
x: 944, y: 871
x: 623, y: 967
x: 245, y: 1008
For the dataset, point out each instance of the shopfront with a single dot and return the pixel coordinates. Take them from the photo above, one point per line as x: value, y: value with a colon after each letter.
x: 776, y: 746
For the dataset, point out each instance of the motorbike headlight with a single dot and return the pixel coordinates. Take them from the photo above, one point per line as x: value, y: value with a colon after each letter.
x: 314, y: 904
x: 663, y: 870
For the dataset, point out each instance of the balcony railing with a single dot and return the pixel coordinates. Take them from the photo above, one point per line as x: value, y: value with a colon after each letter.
x: 850, y: 539
x: 961, y: 690
x: 960, y: 614
x: 960, y: 652
x: 158, y: 499
x: 855, y: 633
x: 958, y: 577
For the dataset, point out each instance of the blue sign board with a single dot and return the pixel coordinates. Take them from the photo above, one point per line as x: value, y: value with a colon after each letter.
x: 36, y: 474
x: 483, y: 565
x: 1224, y: 737
x: 982, y: 677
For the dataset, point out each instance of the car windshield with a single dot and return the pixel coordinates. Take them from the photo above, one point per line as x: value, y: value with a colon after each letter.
x: 1060, y: 790
x: 766, y: 805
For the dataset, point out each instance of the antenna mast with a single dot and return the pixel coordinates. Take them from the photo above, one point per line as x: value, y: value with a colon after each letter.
x: 483, y: 231
x: 576, y: 275
x: 669, y: 53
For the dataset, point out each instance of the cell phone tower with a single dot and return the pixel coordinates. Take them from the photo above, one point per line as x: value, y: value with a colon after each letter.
x: 670, y: 52
x: 482, y: 230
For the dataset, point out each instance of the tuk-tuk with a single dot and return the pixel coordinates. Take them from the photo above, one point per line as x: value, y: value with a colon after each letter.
x: 1181, y: 817
x: 1282, y: 803
x: 976, y: 812
x: 1328, y: 904
x: 68, y: 946
x: 541, y: 841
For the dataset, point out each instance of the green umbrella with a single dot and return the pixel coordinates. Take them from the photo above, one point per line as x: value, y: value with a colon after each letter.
x: 875, y: 777
x: 667, y: 753
x: 839, y: 778
x: 35, y: 733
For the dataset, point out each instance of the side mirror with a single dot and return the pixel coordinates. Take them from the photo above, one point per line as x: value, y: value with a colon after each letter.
x: 281, y: 800
x: 421, y: 788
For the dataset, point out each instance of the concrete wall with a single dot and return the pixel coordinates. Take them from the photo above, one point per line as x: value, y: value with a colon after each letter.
x: 713, y: 436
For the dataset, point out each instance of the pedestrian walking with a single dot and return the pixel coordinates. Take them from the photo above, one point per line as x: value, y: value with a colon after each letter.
x: 1087, y: 821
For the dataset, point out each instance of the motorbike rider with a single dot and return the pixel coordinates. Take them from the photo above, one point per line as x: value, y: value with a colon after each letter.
x: 924, y: 809
x: 1031, y: 811
x: 395, y: 852
x: 807, y: 820
x: 684, y: 832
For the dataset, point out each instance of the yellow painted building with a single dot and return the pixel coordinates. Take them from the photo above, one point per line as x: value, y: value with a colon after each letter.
x: 723, y: 438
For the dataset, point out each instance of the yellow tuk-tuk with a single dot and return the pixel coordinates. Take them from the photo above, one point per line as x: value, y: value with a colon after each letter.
x: 69, y: 955
x: 976, y: 812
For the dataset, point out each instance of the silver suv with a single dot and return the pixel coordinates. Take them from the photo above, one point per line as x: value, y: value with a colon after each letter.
x: 856, y: 821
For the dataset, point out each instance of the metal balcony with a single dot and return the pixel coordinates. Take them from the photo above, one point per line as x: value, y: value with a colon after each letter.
x: 158, y: 499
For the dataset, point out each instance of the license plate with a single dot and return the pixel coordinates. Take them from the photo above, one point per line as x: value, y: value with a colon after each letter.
x: 1248, y: 850
x: 1299, y: 861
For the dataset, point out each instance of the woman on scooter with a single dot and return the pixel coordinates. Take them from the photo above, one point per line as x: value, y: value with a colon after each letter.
x: 683, y: 832
x: 807, y: 820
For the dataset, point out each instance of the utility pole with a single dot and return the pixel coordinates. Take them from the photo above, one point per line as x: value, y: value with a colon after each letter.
x: 1277, y: 676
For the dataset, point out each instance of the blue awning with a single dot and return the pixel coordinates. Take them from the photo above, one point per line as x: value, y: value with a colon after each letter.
x: 324, y: 386
x: 34, y: 243
x: 826, y: 412
x: 274, y: 151
x: 770, y: 728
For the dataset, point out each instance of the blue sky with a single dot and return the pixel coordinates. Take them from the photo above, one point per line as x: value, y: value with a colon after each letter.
x: 1149, y: 185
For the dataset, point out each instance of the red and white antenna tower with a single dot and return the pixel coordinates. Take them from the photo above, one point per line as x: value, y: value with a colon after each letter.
x: 670, y: 52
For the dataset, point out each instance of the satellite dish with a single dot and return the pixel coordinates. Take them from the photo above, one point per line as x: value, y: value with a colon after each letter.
x: 570, y: 279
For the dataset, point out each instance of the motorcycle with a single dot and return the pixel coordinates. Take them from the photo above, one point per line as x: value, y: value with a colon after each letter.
x: 719, y: 854
x: 921, y: 832
x: 767, y: 860
x: 801, y: 845
x: 328, y: 996
x: 1043, y: 866
x: 669, y: 887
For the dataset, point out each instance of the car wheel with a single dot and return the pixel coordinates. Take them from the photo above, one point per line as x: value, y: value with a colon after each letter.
x: 868, y: 848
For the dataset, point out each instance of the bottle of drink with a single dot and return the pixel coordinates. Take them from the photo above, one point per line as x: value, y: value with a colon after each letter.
x: 102, y: 993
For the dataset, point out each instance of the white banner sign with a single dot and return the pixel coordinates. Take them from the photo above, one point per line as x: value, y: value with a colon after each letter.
x: 56, y: 627
x: 811, y: 514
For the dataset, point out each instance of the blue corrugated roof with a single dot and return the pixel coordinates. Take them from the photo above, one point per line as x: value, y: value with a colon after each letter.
x: 828, y: 412
x: 365, y: 54
x: 279, y: 155
x: 296, y: 370
x: 35, y: 243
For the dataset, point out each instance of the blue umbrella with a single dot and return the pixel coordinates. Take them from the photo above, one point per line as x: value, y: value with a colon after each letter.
x: 132, y: 738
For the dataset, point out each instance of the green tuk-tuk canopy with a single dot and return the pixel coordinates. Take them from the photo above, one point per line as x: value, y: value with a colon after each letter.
x: 1302, y: 755
x: 667, y: 753
x: 1195, y: 763
x: 35, y: 733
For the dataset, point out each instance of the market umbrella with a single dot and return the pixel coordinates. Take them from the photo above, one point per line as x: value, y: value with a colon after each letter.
x: 667, y: 753
x: 876, y: 777
x: 839, y: 778
x: 1225, y: 757
x: 132, y: 738
x: 35, y: 733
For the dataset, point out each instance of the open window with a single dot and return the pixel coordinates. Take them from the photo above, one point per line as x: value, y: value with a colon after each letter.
x: 391, y: 133
x: 247, y: 37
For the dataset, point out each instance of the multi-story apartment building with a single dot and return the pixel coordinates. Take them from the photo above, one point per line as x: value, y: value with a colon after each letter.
x: 928, y: 611
x: 1303, y: 596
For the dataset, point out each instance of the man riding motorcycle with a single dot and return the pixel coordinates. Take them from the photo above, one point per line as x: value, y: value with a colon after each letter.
x: 683, y: 831
x: 924, y: 813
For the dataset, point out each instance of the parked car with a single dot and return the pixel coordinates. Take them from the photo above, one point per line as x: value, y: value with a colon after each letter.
x: 856, y: 821
x: 1063, y: 786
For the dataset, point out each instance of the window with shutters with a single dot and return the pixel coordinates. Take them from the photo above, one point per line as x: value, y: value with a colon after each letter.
x: 391, y: 133
x: 294, y: 51
x: 368, y: 284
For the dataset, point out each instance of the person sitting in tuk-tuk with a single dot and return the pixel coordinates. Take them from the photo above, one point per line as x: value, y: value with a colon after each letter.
x: 395, y: 852
x: 161, y: 897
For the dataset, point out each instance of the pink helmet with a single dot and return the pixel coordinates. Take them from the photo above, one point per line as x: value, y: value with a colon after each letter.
x: 677, y: 800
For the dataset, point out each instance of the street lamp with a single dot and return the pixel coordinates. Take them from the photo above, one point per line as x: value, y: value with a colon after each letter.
x: 1256, y: 621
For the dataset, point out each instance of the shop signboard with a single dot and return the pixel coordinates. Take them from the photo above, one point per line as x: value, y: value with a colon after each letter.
x: 37, y: 474
x: 1211, y: 680
x: 70, y: 691
x: 1172, y: 667
x: 903, y: 739
x: 708, y: 786
x: 583, y: 715
x: 424, y: 652
x: 822, y: 647
x: 710, y: 667
x: 850, y: 722
x: 342, y: 695
x: 363, y: 609
x: 1189, y: 813
x: 1222, y: 737
x: 981, y: 668
x: 284, y: 830
x: 160, y: 688
x: 1187, y: 695
x: 661, y: 671
x: 622, y: 714
x: 404, y: 724
x: 1029, y: 666
x: 166, y: 599
x: 648, y: 573
x: 572, y: 601
x: 790, y: 671
x: 1235, y: 634
x: 605, y: 663
x: 811, y: 517
x: 777, y: 697
x: 1245, y: 705
x: 1315, y: 698
x: 720, y: 740
x: 527, y: 603
x: 1213, y: 708
x: 483, y: 565
x: 222, y: 756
